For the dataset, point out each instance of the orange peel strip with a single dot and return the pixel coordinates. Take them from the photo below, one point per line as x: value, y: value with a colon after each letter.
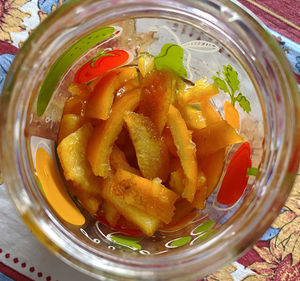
x: 72, y: 155
x: 148, y: 196
x: 186, y: 151
x: 106, y: 133
x: 212, y: 166
x: 69, y: 124
x: 110, y: 213
x: 157, y: 93
x: 118, y: 161
x: 201, y: 91
x: 215, y: 137
x: 101, y: 98
x: 147, y: 223
x: 151, y: 152
x: 184, y: 212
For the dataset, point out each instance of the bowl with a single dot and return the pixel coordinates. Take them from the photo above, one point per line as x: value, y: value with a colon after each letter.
x: 212, y: 39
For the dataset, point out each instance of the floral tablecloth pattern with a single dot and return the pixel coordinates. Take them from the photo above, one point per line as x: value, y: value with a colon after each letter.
x: 275, y: 257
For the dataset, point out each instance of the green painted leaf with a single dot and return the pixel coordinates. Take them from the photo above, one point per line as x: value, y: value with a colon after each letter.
x: 204, y: 226
x: 232, y: 80
x: 243, y: 102
x: 231, y: 77
x: 171, y: 58
x: 127, y: 241
x: 221, y: 84
x: 204, y: 235
x: 181, y: 241
x: 252, y: 171
x: 62, y: 64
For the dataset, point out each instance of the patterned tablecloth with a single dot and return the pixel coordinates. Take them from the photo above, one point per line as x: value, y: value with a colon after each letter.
x: 276, y: 256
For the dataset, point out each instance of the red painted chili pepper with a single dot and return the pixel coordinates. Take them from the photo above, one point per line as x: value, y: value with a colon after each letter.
x: 235, y: 179
x: 103, y: 62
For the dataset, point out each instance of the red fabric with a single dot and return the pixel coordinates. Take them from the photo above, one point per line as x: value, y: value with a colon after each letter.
x: 252, y: 256
x: 289, y: 10
x: 6, y: 48
x: 8, y: 271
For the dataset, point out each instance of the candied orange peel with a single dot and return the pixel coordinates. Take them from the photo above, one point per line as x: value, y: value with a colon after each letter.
x: 72, y: 155
x: 101, y: 98
x: 144, y: 221
x: 201, y: 91
x: 106, y: 133
x: 215, y: 137
x: 149, y: 196
x: 157, y: 93
x: 186, y: 151
x: 140, y: 147
x: 151, y: 152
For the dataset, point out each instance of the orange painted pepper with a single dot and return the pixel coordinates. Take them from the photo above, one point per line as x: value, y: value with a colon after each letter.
x: 231, y: 115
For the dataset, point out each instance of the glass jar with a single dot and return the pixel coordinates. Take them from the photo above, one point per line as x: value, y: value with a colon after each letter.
x: 211, y: 34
